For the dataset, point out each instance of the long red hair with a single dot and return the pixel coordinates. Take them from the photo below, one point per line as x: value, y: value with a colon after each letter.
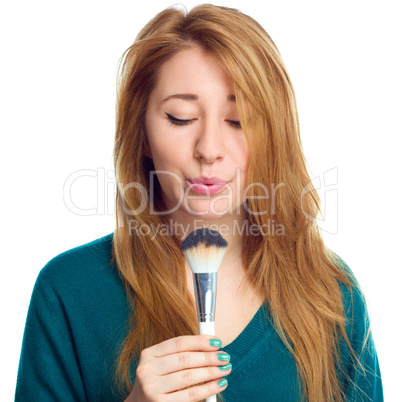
x: 296, y: 273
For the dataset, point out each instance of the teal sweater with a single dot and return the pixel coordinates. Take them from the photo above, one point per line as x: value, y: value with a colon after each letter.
x: 77, y: 319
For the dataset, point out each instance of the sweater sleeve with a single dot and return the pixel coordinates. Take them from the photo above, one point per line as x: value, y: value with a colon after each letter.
x: 364, y: 381
x: 49, y: 368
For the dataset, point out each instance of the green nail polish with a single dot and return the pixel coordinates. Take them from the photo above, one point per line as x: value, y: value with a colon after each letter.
x: 226, y: 367
x: 215, y: 342
x: 222, y: 383
x: 223, y: 357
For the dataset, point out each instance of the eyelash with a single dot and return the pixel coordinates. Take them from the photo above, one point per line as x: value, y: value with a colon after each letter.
x: 178, y: 122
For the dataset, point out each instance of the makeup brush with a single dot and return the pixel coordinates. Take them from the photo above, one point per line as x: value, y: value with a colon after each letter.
x: 204, y: 249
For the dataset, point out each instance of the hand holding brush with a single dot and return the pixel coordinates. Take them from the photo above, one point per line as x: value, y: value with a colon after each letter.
x: 173, y: 368
x: 204, y: 250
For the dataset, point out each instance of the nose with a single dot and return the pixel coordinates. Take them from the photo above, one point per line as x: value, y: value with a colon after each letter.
x: 210, y: 143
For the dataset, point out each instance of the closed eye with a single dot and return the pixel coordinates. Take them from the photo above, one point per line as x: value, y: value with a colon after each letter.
x: 177, y: 122
x: 234, y: 123
x: 181, y: 122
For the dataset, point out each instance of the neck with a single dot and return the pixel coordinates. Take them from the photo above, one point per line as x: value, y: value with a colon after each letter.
x: 231, y: 227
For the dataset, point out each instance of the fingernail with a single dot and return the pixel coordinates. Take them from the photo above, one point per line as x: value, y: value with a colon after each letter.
x: 226, y: 367
x: 223, y: 357
x: 215, y: 342
x: 222, y: 383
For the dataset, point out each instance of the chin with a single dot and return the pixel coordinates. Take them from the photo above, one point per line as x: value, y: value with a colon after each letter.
x: 208, y: 210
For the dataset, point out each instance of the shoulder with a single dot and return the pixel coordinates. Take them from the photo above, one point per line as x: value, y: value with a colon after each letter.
x: 77, y: 319
x: 79, y: 271
x: 360, y: 374
x: 80, y: 260
x: 355, y: 308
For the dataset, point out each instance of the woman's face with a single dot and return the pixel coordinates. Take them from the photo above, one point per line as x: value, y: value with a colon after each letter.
x: 193, y: 129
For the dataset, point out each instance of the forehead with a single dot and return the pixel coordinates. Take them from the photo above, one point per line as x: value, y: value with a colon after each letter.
x: 192, y: 68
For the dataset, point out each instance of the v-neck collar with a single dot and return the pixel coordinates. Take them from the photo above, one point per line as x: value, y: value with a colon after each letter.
x: 247, y: 343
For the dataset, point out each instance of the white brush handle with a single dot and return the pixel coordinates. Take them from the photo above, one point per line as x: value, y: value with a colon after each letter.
x: 207, y: 328
x: 211, y: 398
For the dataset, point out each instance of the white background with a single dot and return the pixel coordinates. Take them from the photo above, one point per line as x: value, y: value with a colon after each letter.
x: 58, y: 67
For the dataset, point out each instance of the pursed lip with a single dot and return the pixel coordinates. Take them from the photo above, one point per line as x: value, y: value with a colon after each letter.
x: 208, y: 180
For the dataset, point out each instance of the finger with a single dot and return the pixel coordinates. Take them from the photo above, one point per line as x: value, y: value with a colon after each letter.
x: 198, y: 392
x: 184, y: 360
x: 184, y: 343
x: 186, y: 378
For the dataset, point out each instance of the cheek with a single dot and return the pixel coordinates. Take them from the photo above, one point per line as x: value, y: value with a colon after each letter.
x: 245, y: 154
x: 242, y: 162
x: 240, y: 153
x: 168, y: 156
x: 169, y: 151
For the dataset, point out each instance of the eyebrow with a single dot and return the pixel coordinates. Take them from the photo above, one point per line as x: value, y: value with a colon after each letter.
x: 192, y: 97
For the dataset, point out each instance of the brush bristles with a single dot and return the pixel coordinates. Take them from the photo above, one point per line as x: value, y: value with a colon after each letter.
x: 204, y: 250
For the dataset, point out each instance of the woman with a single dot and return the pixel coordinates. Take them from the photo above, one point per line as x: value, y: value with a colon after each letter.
x: 206, y: 135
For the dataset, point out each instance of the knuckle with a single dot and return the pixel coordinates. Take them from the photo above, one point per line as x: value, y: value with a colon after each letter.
x: 147, y: 391
x: 193, y: 394
x: 143, y: 355
x: 179, y: 343
x: 142, y: 371
x: 187, y: 376
x: 183, y: 359
x: 209, y: 358
x: 210, y: 388
x: 211, y: 371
